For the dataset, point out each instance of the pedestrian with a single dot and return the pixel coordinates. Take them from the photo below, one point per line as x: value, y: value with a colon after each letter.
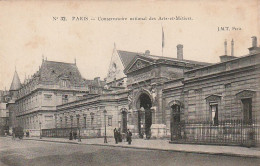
x: 27, y: 133
x: 13, y: 134
x: 75, y: 135
x: 116, y: 135
x: 129, y: 136
x: 70, y: 135
x: 119, y: 136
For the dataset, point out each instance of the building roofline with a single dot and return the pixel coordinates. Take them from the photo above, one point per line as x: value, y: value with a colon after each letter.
x: 236, y: 58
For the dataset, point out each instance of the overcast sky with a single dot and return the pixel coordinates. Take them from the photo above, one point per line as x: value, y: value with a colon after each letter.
x: 28, y: 32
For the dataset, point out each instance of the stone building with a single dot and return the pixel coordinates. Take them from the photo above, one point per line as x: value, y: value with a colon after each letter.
x: 55, y: 83
x: 4, y: 119
x: 153, y: 96
x: 157, y: 96
x: 4, y: 112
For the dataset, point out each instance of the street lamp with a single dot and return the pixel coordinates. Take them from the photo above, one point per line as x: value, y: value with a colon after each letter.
x: 40, y: 129
x: 79, y: 139
x: 105, y: 138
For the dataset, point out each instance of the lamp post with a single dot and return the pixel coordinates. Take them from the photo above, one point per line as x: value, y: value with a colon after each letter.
x: 79, y: 139
x: 105, y: 137
x: 40, y: 129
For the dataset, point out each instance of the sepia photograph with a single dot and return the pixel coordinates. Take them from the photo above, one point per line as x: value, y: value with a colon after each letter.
x: 129, y: 83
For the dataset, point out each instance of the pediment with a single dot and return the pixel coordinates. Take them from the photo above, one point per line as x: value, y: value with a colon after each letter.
x: 175, y: 102
x: 245, y: 94
x: 138, y: 64
x: 213, y: 98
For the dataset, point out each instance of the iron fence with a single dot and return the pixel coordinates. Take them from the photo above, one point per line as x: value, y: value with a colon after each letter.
x: 233, y: 132
x: 65, y: 132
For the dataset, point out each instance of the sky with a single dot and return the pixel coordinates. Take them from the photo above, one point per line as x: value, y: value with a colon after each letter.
x: 29, y: 31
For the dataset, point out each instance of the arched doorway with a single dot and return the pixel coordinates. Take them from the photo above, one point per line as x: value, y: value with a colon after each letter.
x: 144, y: 115
x: 175, y: 122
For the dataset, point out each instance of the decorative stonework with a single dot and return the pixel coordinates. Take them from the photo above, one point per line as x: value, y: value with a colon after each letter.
x: 213, y: 98
x: 138, y: 65
x: 123, y: 110
x: 175, y: 102
x: 137, y: 95
x: 245, y: 94
x: 130, y: 100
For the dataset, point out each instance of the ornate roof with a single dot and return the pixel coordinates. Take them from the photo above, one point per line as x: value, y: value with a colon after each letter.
x: 52, y: 72
x: 16, y: 83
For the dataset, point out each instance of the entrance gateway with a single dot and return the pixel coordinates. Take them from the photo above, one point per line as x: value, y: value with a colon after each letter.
x: 144, y: 104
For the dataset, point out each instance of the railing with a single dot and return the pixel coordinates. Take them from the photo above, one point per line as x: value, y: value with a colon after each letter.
x: 233, y: 132
x: 65, y: 132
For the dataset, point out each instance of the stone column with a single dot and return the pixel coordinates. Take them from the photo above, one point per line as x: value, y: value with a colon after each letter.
x: 158, y: 129
x: 135, y: 116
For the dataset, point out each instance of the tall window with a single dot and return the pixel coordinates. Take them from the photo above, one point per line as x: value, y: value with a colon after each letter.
x: 109, y: 123
x: 92, y: 118
x: 60, y: 122
x: 64, y: 83
x: 247, y: 110
x: 85, y: 122
x: 78, y: 121
x: 71, y: 121
x: 66, y: 121
x: 214, y: 114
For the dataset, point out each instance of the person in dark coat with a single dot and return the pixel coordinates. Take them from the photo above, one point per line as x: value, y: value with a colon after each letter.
x: 116, y: 135
x: 119, y: 136
x: 75, y: 135
x: 129, y: 136
x: 70, y: 136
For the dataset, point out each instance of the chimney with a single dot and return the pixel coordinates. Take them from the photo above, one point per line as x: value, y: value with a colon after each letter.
x: 225, y: 46
x: 97, y: 80
x: 232, y: 47
x: 147, y: 52
x: 180, y: 51
x: 254, y: 41
x: 226, y: 57
x: 254, y: 49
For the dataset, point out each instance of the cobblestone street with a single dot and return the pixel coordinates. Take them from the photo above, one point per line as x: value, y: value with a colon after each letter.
x: 29, y: 152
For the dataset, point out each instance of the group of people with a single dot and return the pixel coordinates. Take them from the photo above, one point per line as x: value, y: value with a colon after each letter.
x: 73, y: 135
x: 118, y: 136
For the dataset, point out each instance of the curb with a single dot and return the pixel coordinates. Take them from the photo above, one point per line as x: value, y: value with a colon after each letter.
x: 147, y: 148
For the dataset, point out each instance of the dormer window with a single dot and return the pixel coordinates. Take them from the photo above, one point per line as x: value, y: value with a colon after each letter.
x: 114, y: 67
x: 63, y: 83
x: 65, y: 99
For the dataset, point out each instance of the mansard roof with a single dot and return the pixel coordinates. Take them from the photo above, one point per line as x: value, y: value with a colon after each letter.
x: 16, y: 83
x: 52, y: 72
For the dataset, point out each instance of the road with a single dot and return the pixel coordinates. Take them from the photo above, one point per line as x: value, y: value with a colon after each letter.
x: 35, y: 153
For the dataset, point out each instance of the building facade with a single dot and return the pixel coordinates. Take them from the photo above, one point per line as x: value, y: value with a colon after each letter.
x: 153, y: 96
x: 55, y: 83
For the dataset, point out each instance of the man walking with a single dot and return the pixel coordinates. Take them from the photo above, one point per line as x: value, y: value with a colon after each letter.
x: 129, y: 136
x: 116, y: 135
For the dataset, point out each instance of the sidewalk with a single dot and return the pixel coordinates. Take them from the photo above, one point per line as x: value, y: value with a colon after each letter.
x: 163, y: 145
